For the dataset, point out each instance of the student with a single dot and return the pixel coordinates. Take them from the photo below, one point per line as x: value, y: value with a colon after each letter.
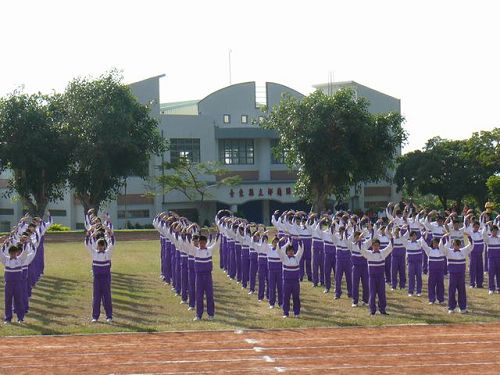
x: 381, y: 233
x: 359, y: 269
x: 436, y: 255
x: 456, y: 267
x: 437, y: 229
x: 275, y: 275
x: 253, y: 242
x: 291, y: 277
x: 476, y: 256
x: 318, y: 256
x: 398, y: 259
x: 330, y: 253
x: 195, y: 243
x: 262, y: 246
x: 343, y: 264
x: 14, y: 282
x: 493, y: 243
x: 376, y: 270
x: 414, y: 254
x: 204, y: 284
x: 101, y: 251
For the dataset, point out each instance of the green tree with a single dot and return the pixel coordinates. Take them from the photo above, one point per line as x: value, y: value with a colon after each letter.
x: 115, y: 137
x: 35, y: 147
x: 334, y: 142
x: 193, y: 179
x: 493, y: 184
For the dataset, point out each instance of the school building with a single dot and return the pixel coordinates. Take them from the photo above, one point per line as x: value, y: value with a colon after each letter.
x: 224, y: 127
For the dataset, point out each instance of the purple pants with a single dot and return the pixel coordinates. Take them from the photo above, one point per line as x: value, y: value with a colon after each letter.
x: 14, y: 295
x: 173, y: 267
x: 102, y: 292
x: 329, y: 267
x: 398, y: 267
x: 493, y: 272
x: 232, y: 260
x: 318, y: 272
x: 222, y: 248
x: 168, y: 267
x: 276, y: 285
x: 343, y: 267
x: 253, y: 270
x: 26, y: 297
x: 204, y: 287
x: 184, y: 279
x: 414, y: 274
x: 425, y: 262
x: 360, y: 273
x: 476, y: 269
x: 237, y: 259
x: 486, y: 262
x: 178, y: 272
x: 245, y: 268
x: 388, y: 262
x: 377, y: 289
x: 191, y: 285
x: 291, y: 288
x: 435, y: 285
x: 305, y: 261
x: 457, y: 284
x: 263, y: 279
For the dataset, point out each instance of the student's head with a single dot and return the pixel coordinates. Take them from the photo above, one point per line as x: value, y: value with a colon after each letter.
x: 275, y: 241
x: 101, y: 245
x: 356, y: 235
x: 475, y: 226
x: 435, y: 243
x: 397, y: 230
x: 440, y: 220
x: 265, y: 239
x: 202, y: 241
x: 341, y: 230
x: 456, y: 244
x: 290, y: 251
x: 382, y: 229
x: 456, y: 224
x: 196, y: 240
x: 376, y: 245
x: 398, y: 213
x: 494, y: 230
x: 31, y: 228
x: 413, y: 235
x: 13, y: 251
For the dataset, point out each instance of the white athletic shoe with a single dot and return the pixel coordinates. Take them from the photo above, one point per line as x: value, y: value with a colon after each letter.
x: 431, y: 303
x: 490, y: 292
x: 463, y: 311
x: 20, y: 322
x: 354, y: 305
x: 451, y: 311
x: 285, y: 316
x: 326, y: 291
x: 210, y: 317
x: 271, y: 306
x: 419, y: 294
x: 410, y: 295
x: 393, y: 289
x: 93, y: 321
x: 183, y: 302
x: 296, y: 316
x: 260, y: 301
x: 109, y: 320
x: 251, y: 292
x: 190, y: 308
x: 6, y: 322
x: 196, y: 319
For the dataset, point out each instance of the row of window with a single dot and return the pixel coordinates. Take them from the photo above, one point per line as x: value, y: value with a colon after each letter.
x: 55, y: 213
x: 226, y: 119
x: 231, y: 151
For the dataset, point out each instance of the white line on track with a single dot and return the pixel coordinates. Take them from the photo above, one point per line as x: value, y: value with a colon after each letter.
x: 251, y: 341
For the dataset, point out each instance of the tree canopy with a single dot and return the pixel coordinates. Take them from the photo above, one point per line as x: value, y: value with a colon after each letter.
x: 334, y: 142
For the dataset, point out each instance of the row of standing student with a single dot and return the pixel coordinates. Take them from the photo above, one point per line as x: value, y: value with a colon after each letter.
x: 22, y: 254
x: 240, y: 245
x: 186, y: 262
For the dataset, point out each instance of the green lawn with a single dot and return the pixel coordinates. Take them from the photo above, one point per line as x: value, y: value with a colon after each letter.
x: 61, y: 302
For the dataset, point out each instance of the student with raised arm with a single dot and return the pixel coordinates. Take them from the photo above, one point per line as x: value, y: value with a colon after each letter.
x: 275, y: 275
x: 457, y: 256
x: 359, y: 269
x: 376, y: 270
x: 436, y: 228
x: 414, y: 255
x: 476, y: 268
x: 318, y: 256
x: 343, y: 264
x: 398, y: 259
x: 330, y: 252
x: 204, y: 284
x: 493, y: 242
x: 261, y: 246
x: 382, y: 234
x: 101, y: 251
x: 291, y: 277
x: 436, y: 256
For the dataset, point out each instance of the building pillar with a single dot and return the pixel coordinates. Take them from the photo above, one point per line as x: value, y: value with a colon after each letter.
x: 266, y: 214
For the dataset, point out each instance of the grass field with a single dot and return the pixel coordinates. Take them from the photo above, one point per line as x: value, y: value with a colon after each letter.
x: 61, y: 302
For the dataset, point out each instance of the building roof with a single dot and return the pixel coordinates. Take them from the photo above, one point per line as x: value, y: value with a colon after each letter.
x: 348, y: 83
x: 177, y: 105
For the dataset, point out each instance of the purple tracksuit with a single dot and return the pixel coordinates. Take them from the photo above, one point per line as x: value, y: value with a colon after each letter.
x: 275, y: 277
x: 204, y: 284
x: 237, y: 259
x: 359, y: 273
x: 173, y: 266
x: 414, y: 251
x: 184, y: 276
x: 101, y: 268
x: 456, y: 268
x: 376, y: 271
x: 343, y: 266
x: 245, y: 264
x: 305, y: 261
x: 384, y: 241
x: 318, y: 272
x: 493, y: 262
x: 191, y: 281
x: 231, y: 247
x: 330, y: 262
x: 435, y: 282
x: 222, y: 252
x: 398, y: 264
x: 263, y: 272
x: 162, y: 258
x: 291, y: 280
x: 178, y: 271
x: 254, y: 264
x: 476, y: 269
x: 14, y: 287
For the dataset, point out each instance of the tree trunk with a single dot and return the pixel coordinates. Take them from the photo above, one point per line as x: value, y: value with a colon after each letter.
x: 319, y: 199
x: 87, y: 203
x: 444, y: 202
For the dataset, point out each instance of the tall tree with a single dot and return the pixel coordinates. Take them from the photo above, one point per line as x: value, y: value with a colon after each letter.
x: 334, y: 142
x: 115, y: 137
x: 493, y: 184
x: 35, y: 147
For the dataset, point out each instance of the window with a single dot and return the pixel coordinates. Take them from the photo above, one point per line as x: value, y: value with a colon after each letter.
x: 133, y: 214
x: 244, y: 119
x: 58, y: 213
x: 236, y: 151
x: 276, y: 159
x: 188, y: 148
x: 6, y: 211
x: 227, y: 119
